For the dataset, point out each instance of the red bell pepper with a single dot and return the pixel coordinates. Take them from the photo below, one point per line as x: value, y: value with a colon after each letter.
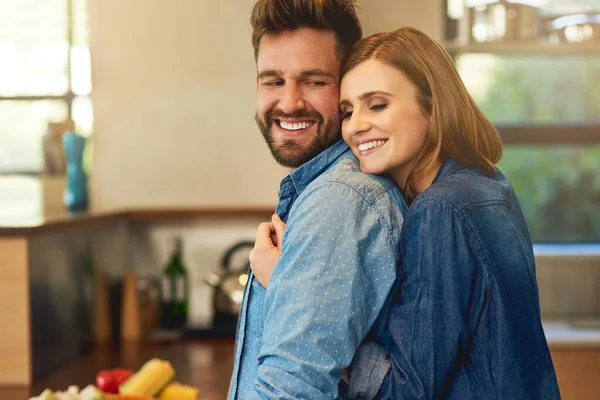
x: 109, y: 380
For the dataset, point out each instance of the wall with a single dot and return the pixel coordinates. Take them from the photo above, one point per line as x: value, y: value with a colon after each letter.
x: 173, y: 92
x: 385, y: 15
x: 173, y: 102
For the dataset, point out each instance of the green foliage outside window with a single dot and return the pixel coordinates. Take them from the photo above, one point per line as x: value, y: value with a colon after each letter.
x: 558, y: 185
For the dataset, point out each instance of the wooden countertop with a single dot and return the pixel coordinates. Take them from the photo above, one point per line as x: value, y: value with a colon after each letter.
x: 205, y: 364
x: 575, y: 333
x: 38, y: 223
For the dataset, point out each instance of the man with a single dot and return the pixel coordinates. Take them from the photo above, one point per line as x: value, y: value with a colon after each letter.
x: 337, y: 273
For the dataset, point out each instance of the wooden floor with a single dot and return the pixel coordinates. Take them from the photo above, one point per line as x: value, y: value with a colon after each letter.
x: 205, y: 364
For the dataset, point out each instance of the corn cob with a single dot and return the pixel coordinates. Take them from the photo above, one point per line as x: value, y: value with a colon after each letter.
x: 177, y: 391
x: 150, y: 379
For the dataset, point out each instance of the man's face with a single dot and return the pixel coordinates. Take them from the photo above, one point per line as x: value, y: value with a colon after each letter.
x: 297, y: 94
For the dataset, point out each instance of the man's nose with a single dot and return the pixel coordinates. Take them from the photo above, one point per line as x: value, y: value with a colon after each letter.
x: 292, y: 100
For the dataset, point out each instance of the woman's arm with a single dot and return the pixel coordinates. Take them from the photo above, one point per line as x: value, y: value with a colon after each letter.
x: 442, y: 295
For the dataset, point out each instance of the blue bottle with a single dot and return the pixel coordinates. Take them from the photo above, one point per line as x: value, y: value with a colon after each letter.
x: 76, y: 190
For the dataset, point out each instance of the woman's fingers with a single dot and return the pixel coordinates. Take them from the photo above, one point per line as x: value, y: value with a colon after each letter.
x: 279, y: 228
x: 263, y: 235
x: 267, y: 249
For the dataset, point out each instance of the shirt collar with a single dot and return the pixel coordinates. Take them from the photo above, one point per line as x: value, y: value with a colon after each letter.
x: 302, y: 176
x: 297, y: 180
x: 448, y: 168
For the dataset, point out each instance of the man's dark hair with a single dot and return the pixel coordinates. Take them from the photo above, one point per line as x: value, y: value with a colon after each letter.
x: 339, y: 16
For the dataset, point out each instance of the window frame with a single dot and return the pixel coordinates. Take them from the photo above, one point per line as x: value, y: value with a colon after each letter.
x: 68, y: 97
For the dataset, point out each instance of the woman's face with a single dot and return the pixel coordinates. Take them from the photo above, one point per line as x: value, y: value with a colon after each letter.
x: 381, y: 119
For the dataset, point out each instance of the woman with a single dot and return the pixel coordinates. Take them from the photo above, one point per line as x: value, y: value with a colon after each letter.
x: 466, y: 321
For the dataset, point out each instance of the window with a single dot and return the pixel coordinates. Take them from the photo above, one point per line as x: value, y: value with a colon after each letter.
x: 533, y: 66
x: 44, y: 76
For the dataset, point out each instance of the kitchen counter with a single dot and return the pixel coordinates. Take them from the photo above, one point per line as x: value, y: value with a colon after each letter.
x: 206, y: 365
x: 575, y: 333
x: 38, y: 222
x: 48, y: 260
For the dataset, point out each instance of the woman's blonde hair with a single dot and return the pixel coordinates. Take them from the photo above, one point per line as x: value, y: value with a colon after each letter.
x: 457, y: 129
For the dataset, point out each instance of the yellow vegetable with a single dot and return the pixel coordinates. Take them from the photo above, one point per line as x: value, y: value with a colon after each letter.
x: 154, y: 375
x: 177, y: 391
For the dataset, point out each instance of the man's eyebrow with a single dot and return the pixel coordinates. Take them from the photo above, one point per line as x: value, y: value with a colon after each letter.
x: 317, y: 72
x: 269, y: 73
x: 304, y: 74
x: 366, y: 96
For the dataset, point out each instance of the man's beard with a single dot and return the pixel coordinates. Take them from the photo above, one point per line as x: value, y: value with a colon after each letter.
x: 287, y: 152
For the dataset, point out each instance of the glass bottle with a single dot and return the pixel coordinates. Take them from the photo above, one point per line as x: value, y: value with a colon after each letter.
x: 175, y: 291
x: 76, y: 190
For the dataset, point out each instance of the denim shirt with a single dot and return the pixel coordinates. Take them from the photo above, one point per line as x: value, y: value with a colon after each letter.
x: 332, y: 285
x: 466, y: 323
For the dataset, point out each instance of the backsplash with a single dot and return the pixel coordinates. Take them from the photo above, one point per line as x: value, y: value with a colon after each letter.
x: 569, y: 286
x: 204, y: 243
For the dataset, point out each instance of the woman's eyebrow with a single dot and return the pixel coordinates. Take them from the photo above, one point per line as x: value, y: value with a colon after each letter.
x: 365, y: 96
x: 374, y: 93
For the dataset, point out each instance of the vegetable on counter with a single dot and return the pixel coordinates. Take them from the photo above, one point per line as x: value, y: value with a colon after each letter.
x: 109, y: 380
x: 152, y: 382
x: 177, y: 391
x: 154, y: 375
x: 90, y: 392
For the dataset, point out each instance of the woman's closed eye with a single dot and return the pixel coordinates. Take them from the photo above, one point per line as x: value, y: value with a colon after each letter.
x: 346, y: 114
x: 378, y: 106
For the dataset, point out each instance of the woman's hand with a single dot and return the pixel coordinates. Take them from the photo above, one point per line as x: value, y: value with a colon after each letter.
x: 267, y: 249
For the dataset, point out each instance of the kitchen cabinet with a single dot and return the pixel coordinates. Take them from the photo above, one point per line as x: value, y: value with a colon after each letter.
x: 47, y: 265
x: 578, y: 372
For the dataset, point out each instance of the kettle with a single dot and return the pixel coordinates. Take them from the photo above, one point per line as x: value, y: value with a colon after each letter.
x: 229, y: 282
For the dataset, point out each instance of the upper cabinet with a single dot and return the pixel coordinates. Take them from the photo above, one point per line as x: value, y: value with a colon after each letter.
x: 523, y: 26
x: 533, y: 66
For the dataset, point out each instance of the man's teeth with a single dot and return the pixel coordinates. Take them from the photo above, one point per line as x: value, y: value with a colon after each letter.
x: 370, y: 145
x: 295, y: 126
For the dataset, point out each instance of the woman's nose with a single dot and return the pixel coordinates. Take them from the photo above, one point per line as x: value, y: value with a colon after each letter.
x: 356, y: 124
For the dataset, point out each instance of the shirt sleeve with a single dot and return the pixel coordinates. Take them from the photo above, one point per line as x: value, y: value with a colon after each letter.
x: 442, y: 294
x: 337, y: 267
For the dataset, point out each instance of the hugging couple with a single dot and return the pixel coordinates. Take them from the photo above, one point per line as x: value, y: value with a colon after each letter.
x: 398, y: 264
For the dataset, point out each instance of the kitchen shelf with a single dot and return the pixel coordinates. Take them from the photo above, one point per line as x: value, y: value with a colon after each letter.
x: 531, y: 48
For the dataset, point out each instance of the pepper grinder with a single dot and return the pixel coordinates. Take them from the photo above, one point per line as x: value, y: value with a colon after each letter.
x: 102, y: 327
x: 131, y: 320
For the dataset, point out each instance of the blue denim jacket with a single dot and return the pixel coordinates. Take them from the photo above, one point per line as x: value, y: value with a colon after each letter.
x: 333, y: 283
x: 466, y: 323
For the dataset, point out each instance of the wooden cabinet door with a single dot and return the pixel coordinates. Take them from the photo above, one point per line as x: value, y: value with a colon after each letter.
x: 578, y: 373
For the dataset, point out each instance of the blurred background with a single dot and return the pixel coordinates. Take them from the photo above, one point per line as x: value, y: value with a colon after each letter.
x: 175, y: 176
x: 166, y: 94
